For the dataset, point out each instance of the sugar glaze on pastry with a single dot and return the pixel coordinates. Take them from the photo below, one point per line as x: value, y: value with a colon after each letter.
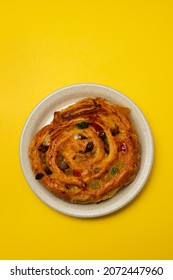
x: 87, y: 153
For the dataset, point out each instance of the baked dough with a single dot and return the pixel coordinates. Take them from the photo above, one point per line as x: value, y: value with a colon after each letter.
x: 87, y: 153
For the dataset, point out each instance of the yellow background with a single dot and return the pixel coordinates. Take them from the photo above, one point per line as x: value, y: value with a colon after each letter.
x: 45, y: 45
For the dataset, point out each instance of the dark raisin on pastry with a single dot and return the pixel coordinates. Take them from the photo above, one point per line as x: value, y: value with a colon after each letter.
x: 38, y: 176
x: 89, y: 147
x: 43, y: 148
x: 48, y: 171
x: 115, y: 130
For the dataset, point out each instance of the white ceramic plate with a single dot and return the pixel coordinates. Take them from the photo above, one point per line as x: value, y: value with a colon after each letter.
x: 43, y: 114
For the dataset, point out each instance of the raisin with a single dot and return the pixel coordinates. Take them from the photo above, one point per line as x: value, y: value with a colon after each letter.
x: 48, y: 171
x: 106, y: 147
x: 115, y: 131
x: 102, y: 135
x: 89, y: 147
x: 38, y: 176
x: 43, y: 148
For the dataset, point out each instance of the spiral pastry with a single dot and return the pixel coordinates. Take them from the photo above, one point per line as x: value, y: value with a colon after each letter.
x: 88, y: 152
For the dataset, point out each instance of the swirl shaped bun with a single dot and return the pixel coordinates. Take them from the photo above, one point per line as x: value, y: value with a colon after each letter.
x: 87, y: 153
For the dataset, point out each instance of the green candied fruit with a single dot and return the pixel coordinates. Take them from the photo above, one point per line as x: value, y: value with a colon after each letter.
x: 114, y: 170
x: 82, y: 125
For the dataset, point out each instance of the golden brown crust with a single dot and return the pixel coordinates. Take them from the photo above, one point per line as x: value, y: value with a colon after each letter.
x: 88, y: 152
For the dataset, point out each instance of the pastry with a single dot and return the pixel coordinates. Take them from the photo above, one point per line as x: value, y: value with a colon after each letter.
x: 87, y: 153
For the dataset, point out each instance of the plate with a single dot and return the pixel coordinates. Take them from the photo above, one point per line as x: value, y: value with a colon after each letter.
x: 42, y: 114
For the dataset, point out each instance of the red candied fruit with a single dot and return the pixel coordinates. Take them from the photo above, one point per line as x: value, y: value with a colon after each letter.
x: 122, y: 147
x: 97, y: 127
x: 76, y: 173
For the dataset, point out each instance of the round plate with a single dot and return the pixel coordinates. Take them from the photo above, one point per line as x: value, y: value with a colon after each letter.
x: 43, y: 114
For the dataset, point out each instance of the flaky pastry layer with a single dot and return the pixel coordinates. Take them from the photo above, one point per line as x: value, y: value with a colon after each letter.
x: 87, y: 153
